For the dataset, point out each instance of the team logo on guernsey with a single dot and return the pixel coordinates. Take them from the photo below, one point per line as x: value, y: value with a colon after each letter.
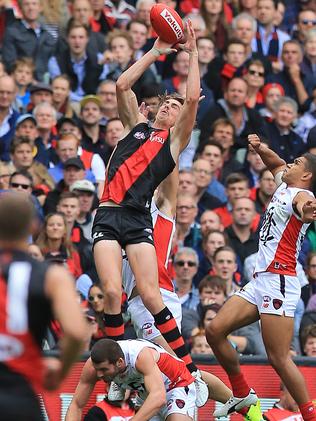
x: 155, y: 138
x: 10, y: 348
x: 180, y: 403
x: 277, y: 303
x: 139, y: 135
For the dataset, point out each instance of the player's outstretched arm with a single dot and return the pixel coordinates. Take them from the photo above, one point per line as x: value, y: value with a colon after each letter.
x: 126, y: 99
x: 59, y: 288
x: 184, y: 125
x: 272, y: 160
x: 83, y: 391
x: 153, y: 384
x: 305, y: 205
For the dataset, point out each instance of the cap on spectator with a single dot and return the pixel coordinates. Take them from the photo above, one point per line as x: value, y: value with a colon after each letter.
x: 63, y: 120
x: 83, y: 185
x: 90, y: 98
x: 25, y: 117
x: 74, y: 162
x: 41, y: 87
x: 269, y: 86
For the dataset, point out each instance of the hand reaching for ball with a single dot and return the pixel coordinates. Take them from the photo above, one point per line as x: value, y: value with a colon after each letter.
x: 190, y: 44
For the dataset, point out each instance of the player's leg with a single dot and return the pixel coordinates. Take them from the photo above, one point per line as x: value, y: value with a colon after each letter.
x: 218, y: 391
x: 277, y: 333
x: 108, y: 261
x: 180, y: 404
x: 235, y: 313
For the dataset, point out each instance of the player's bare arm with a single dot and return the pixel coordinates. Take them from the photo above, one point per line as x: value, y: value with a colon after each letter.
x: 83, y: 391
x: 305, y: 205
x: 184, y: 125
x: 127, y: 103
x: 59, y: 287
x: 272, y: 160
x: 154, y: 386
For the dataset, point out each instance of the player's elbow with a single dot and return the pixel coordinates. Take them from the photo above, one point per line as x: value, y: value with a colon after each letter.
x: 192, y: 100
x: 122, y: 84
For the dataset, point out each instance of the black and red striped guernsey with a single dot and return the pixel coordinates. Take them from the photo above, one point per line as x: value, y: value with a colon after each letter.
x: 140, y: 162
x: 25, y: 313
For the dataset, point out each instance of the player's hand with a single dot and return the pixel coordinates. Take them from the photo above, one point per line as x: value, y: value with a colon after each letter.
x: 52, y: 373
x: 254, y: 142
x: 143, y: 109
x: 163, y: 47
x: 309, y: 211
x: 190, y: 45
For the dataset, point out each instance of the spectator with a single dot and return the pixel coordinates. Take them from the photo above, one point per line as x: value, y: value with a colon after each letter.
x: 253, y: 166
x: 199, y: 344
x: 202, y: 171
x: 223, y: 69
x: 283, y: 140
x: 264, y: 192
x: 138, y: 30
x: 233, y: 107
x: 7, y: 17
x: 73, y: 170
x: 309, y: 290
x: 55, y: 245
x: 206, y: 52
x: 225, y: 266
x: 150, y: 95
x: 40, y: 92
x: 305, y: 22
x: 210, y: 221
x: 28, y: 38
x: 240, y: 234
x: 296, y: 85
x: 309, y: 59
x: 107, y: 93
x: 187, y: 230
x: 113, y: 133
x: 85, y: 191
x: 6, y: 169
x: 269, y: 40
x: 143, y: 11
x: 213, y: 152
x: 309, y: 341
x: 186, y: 264
x: 23, y: 73
x: 187, y: 182
x: 68, y: 204
x: 61, y: 100
x: 215, y: 21
x: 212, y: 289
x: 121, y: 12
x: 237, y: 186
x: 93, y: 133
x: 82, y: 66
x: 46, y: 118
x: 82, y: 13
x: 307, y: 121
x: 254, y: 76
x: 21, y: 152
x: 249, y: 7
x: 271, y: 94
x: 212, y: 240
x: 101, y: 22
x: 96, y: 304
x: 8, y: 116
x: 223, y: 132
x: 284, y: 408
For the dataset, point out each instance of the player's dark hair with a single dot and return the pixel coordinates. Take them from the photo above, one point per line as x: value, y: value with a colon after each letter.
x: 106, y: 350
x: 16, y: 215
x: 163, y: 98
x: 311, y: 167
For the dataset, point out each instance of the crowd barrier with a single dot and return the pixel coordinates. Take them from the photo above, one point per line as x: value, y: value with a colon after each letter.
x: 258, y: 372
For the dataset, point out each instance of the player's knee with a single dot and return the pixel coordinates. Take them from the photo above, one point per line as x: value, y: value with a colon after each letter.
x: 112, y: 294
x: 277, y: 359
x: 213, y: 331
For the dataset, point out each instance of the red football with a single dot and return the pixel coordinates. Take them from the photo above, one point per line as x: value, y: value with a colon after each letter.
x: 167, y: 23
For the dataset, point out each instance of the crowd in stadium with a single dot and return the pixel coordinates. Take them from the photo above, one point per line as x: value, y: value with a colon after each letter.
x: 59, y: 124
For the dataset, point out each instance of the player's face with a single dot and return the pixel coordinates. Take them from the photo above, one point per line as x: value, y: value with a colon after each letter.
x: 107, y: 372
x: 168, y: 112
x: 293, y: 172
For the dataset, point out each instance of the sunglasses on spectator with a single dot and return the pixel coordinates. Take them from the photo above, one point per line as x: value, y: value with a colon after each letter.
x: 307, y: 21
x: 181, y: 263
x: 255, y: 72
x: 92, y: 298
x: 17, y: 185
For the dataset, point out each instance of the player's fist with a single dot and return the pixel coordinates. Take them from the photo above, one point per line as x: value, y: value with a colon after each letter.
x: 254, y: 141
